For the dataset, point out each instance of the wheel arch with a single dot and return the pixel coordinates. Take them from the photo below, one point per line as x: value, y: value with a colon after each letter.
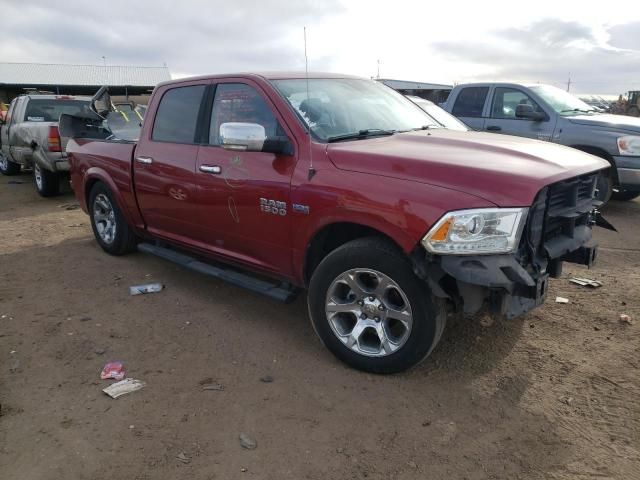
x: 602, y: 153
x: 95, y: 175
x: 331, y: 236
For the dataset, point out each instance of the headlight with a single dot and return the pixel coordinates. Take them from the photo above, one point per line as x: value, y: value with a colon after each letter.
x: 478, y: 231
x: 629, y: 145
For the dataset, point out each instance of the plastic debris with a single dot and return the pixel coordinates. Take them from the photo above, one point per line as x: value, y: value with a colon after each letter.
x: 183, y: 457
x: 247, y: 442
x: 586, y: 282
x: 213, y: 386
x: 113, y: 370
x: 266, y: 379
x: 624, y: 318
x: 146, y: 288
x: 562, y: 300
x: 128, y: 385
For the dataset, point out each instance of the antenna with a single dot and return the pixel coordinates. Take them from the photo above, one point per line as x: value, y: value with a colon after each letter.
x: 312, y: 171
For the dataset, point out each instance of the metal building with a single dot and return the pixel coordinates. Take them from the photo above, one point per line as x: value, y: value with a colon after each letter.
x: 126, y: 81
x: 436, y: 92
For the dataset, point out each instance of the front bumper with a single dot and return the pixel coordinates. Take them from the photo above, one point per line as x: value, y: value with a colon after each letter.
x: 558, y: 229
x: 628, y: 169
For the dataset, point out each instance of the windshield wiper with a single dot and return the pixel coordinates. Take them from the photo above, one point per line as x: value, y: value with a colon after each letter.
x: 369, y: 132
x: 425, y: 127
x: 580, y: 110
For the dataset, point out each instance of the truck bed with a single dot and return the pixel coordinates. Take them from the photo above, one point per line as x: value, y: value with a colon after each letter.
x: 108, y: 161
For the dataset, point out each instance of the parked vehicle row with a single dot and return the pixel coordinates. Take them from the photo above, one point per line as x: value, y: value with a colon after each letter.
x: 547, y: 113
x: 344, y: 187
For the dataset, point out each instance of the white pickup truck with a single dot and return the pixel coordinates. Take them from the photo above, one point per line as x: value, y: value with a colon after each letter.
x: 29, y: 138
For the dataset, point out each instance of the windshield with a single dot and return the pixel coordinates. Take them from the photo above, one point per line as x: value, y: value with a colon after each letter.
x: 443, y: 117
x: 561, y: 101
x: 344, y: 106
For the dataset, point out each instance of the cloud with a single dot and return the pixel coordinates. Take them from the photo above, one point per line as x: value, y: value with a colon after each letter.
x: 207, y: 37
x: 550, y: 50
x: 625, y: 36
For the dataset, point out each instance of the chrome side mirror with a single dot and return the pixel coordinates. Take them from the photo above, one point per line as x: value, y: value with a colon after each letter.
x: 248, y: 137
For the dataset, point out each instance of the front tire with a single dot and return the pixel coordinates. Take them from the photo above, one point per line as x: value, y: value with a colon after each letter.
x: 7, y: 167
x: 109, y: 226
x: 47, y: 182
x: 371, y: 311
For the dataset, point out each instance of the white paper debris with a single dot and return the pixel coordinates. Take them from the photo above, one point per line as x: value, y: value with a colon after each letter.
x: 123, y: 387
x: 146, y: 288
x: 562, y: 300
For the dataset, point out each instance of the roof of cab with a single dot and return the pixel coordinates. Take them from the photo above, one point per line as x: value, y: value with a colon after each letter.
x: 264, y: 75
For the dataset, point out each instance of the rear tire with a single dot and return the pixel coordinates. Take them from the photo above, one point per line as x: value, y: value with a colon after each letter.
x: 109, y: 226
x: 7, y: 167
x: 633, y: 111
x: 47, y: 182
x: 371, y: 311
x: 625, y: 195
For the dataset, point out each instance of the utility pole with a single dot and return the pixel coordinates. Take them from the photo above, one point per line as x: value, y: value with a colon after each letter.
x: 378, y: 74
x: 569, y: 82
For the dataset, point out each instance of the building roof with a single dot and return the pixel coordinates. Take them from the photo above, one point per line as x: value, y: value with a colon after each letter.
x: 411, y: 85
x: 81, y: 75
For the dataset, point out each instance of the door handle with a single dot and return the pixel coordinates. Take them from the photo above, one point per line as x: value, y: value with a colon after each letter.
x: 494, y: 128
x: 215, y: 169
x: 145, y: 160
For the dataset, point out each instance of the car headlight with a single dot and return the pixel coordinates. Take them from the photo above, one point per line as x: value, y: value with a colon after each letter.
x: 477, y: 231
x: 629, y: 145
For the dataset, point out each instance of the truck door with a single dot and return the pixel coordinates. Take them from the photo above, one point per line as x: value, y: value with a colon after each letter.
x: 244, y: 196
x: 502, y: 116
x: 469, y: 106
x: 165, y: 165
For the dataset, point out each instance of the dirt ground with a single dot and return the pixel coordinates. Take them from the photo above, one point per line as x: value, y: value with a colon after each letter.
x: 553, y: 395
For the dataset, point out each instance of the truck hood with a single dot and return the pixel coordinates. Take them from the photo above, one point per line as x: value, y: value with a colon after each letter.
x: 613, y: 122
x: 505, y: 170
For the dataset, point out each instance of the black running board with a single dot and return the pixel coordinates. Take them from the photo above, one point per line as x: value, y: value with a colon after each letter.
x: 283, y: 293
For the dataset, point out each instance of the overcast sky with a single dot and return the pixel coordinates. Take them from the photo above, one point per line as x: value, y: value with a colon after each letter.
x: 442, y: 42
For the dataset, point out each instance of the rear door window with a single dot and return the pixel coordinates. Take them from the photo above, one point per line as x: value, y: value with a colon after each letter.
x: 177, y: 115
x: 470, y: 102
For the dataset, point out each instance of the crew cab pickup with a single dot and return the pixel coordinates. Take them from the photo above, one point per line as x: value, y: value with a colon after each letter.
x: 548, y: 113
x: 342, y: 186
x: 29, y: 138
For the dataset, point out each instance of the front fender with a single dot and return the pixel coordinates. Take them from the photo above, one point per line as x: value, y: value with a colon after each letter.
x: 400, y: 209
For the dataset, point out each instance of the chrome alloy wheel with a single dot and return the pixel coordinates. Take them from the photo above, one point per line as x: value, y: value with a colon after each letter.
x: 368, y: 312
x: 4, y: 162
x: 37, y: 174
x: 104, y: 218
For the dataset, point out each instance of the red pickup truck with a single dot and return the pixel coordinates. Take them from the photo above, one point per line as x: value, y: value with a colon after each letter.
x: 341, y: 186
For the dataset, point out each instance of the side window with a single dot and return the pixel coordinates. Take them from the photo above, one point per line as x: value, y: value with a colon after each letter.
x: 505, y: 101
x: 470, y: 102
x: 177, y: 115
x: 238, y: 102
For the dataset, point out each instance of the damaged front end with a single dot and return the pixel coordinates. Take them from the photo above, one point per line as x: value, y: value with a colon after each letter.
x: 557, y: 229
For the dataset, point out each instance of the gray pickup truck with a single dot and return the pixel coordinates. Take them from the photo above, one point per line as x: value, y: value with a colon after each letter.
x: 29, y: 138
x: 548, y: 113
